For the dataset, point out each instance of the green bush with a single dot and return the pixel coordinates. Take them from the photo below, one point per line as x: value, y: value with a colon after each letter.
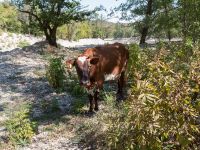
x: 74, y: 87
x: 55, y: 73
x: 23, y: 44
x: 77, y: 105
x: 20, y: 127
x: 134, y: 57
x: 160, y: 112
x: 9, y: 17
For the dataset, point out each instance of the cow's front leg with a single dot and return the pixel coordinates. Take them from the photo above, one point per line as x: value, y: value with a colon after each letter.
x: 96, y: 98
x: 120, y: 95
x: 91, y: 97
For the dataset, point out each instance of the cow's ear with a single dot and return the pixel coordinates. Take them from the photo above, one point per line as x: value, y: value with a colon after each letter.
x: 70, y: 63
x: 94, y: 60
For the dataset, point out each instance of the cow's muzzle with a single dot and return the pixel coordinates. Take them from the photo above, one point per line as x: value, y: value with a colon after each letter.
x: 85, y: 83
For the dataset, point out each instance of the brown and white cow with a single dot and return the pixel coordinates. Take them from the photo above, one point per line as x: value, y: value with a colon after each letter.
x: 99, y: 64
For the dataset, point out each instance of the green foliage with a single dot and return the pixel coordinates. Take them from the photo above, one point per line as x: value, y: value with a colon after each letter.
x: 52, y: 14
x: 55, y: 73
x: 75, y: 31
x: 68, y: 31
x: 189, y: 18
x: 84, y: 31
x: 134, y: 57
x: 160, y: 112
x: 109, y: 99
x: 77, y: 105
x: 123, y: 30
x: 94, y: 29
x: 74, y: 87
x: 62, y: 32
x: 23, y: 44
x: 77, y: 91
x: 9, y: 18
x: 164, y: 19
x: 20, y: 127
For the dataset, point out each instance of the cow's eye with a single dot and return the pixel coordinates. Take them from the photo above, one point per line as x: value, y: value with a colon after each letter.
x: 89, y: 67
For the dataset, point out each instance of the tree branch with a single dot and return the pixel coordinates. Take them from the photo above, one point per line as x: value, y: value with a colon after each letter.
x: 32, y: 14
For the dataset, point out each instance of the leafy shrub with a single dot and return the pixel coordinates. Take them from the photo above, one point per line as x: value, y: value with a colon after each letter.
x: 55, y: 73
x: 138, y: 58
x: 20, y: 128
x: 134, y: 57
x: 78, y: 92
x: 160, y: 112
x: 77, y: 105
x: 74, y: 87
x: 109, y: 99
x: 23, y: 44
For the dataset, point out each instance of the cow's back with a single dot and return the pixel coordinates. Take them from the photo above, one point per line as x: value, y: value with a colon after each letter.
x: 113, y: 58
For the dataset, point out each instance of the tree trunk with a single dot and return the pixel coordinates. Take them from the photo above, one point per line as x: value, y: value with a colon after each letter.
x: 167, y: 16
x: 169, y: 35
x: 184, y: 21
x: 143, y: 35
x: 51, y: 36
x: 145, y: 29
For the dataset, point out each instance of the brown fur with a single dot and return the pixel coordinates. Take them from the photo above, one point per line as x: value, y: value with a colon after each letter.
x: 103, y: 60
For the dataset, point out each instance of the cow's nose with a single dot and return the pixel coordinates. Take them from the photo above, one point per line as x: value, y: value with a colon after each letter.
x: 83, y: 82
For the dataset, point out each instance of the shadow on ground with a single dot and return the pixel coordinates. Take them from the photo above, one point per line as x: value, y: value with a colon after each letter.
x: 23, y: 80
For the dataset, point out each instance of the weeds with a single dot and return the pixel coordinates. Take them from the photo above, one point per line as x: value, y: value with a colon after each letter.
x: 159, y: 112
x: 55, y: 73
x: 73, y: 87
x: 20, y: 127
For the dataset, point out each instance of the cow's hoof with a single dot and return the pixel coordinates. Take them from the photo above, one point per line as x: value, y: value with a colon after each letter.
x: 120, y: 98
x: 96, y: 109
x: 90, y: 113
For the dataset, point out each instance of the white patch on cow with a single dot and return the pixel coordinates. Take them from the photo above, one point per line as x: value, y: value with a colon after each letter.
x: 111, y: 76
x: 82, y: 59
x: 70, y: 66
x: 124, y: 66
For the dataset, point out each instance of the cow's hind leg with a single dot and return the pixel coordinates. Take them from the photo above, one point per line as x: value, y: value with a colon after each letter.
x: 96, y: 98
x: 91, y: 99
x: 120, y: 95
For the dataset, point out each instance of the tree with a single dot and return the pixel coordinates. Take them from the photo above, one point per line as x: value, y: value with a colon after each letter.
x: 119, y: 33
x: 166, y: 22
x: 50, y: 14
x: 189, y: 15
x: 146, y: 25
x: 142, y: 10
x: 84, y: 30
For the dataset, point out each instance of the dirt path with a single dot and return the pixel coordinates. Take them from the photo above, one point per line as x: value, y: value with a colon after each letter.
x: 22, y: 79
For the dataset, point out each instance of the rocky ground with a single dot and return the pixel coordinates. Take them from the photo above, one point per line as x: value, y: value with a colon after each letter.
x: 22, y: 80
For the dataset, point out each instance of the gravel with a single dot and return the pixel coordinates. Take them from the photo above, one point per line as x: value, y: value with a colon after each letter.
x: 23, y: 79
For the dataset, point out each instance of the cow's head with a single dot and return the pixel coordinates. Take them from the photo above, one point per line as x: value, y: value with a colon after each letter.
x: 83, y: 65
